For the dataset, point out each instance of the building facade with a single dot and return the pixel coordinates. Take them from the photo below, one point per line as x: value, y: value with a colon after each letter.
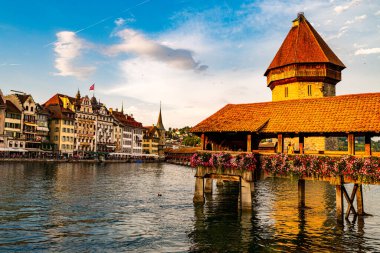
x: 151, y: 140
x: 105, y: 130
x: 85, y: 126
x: 3, y: 141
x: 13, y: 126
x: 62, y: 123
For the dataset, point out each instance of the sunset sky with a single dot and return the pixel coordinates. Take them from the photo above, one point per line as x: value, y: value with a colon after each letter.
x: 193, y: 55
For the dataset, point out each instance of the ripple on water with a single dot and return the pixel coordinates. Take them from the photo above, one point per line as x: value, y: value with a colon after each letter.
x: 116, y: 207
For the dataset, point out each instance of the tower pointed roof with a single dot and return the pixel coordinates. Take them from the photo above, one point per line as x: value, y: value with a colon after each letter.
x: 160, y: 125
x: 77, y: 96
x: 303, y: 44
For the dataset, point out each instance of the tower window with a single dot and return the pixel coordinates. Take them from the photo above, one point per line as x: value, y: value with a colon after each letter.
x: 286, y: 92
x: 309, y: 90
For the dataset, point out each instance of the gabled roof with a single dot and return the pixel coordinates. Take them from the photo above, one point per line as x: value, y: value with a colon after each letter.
x: 340, y: 114
x: 303, y: 44
x: 22, y: 97
x: 55, y: 100
x: 11, y: 107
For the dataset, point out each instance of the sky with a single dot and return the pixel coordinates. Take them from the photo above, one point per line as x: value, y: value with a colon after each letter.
x: 194, y: 56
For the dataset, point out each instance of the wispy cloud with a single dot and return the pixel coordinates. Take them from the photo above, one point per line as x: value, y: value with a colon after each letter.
x: 122, y: 21
x: 68, y: 48
x: 356, y: 19
x: 365, y: 51
x: 137, y: 44
x: 341, y: 8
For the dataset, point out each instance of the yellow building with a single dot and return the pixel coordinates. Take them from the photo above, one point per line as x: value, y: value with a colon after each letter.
x: 151, y: 139
x: 62, y: 123
x: 2, y: 121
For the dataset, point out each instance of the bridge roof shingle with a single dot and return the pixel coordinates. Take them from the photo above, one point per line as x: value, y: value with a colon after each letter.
x: 339, y: 114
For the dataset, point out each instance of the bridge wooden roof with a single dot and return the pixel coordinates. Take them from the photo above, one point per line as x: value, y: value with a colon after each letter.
x: 303, y: 44
x: 339, y: 114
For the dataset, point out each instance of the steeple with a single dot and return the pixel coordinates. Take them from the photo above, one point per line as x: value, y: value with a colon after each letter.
x: 122, y: 107
x: 78, y: 95
x: 304, y: 66
x: 160, y: 125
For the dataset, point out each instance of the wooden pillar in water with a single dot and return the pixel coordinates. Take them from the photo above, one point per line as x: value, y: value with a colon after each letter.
x: 199, y: 192
x: 249, y: 142
x: 208, y: 185
x: 280, y: 143
x: 301, y: 193
x: 202, y: 141
x: 245, y: 195
x: 301, y: 144
x: 339, y: 202
x: 359, y: 200
x: 367, y: 145
x: 351, y: 144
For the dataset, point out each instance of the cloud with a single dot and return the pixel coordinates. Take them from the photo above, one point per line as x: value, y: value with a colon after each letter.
x: 119, y: 21
x: 68, y: 48
x: 137, y: 44
x: 357, y: 18
x: 366, y: 51
x: 377, y: 13
x: 189, y: 96
x: 341, y: 8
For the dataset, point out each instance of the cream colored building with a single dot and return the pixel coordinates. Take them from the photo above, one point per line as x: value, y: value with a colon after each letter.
x: 85, y: 125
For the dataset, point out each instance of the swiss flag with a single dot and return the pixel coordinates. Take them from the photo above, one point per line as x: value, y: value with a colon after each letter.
x: 92, y: 87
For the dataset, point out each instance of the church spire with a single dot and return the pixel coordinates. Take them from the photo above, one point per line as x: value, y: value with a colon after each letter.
x: 160, y: 125
x: 78, y: 95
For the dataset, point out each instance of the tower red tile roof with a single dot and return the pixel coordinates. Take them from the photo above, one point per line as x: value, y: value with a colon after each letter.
x: 303, y: 44
x: 348, y: 113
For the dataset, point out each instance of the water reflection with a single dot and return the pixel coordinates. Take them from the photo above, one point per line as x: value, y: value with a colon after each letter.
x: 116, y: 207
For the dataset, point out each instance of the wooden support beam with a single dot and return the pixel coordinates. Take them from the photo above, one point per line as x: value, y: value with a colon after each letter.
x: 350, y: 200
x: 249, y: 142
x: 351, y: 144
x: 203, y: 141
x: 367, y: 145
x: 280, y: 143
x: 301, y: 143
x: 301, y: 193
x: 208, y: 185
x: 359, y: 200
x: 339, y: 202
x: 199, y: 191
x: 245, y: 195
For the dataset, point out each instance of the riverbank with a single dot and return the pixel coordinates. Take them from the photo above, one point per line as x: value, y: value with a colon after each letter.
x: 23, y: 160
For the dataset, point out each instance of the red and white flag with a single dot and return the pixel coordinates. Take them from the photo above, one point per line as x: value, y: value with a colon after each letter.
x: 92, y: 87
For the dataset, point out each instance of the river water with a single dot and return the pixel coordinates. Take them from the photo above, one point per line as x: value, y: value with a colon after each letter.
x: 117, y: 207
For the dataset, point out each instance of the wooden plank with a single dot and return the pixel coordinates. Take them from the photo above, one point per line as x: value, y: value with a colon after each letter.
x: 350, y: 200
x: 359, y: 200
x: 339, y: 202
x: 223, y: 177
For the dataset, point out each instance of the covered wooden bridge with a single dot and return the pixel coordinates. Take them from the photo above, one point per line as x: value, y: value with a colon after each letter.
x: 241, y: 127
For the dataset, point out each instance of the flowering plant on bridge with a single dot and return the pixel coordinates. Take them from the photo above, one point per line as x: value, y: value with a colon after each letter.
x: 224, y: 161
x: 361, y: 169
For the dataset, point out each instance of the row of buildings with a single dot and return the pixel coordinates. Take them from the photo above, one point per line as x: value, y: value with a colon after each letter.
x: 79, y: 126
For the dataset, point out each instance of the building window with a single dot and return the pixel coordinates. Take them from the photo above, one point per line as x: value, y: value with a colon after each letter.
x: 309, y: 90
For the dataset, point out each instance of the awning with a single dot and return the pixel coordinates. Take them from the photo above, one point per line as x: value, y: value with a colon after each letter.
x: 6, y: 149
x: 18, y: 150
x: 30, y: 124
